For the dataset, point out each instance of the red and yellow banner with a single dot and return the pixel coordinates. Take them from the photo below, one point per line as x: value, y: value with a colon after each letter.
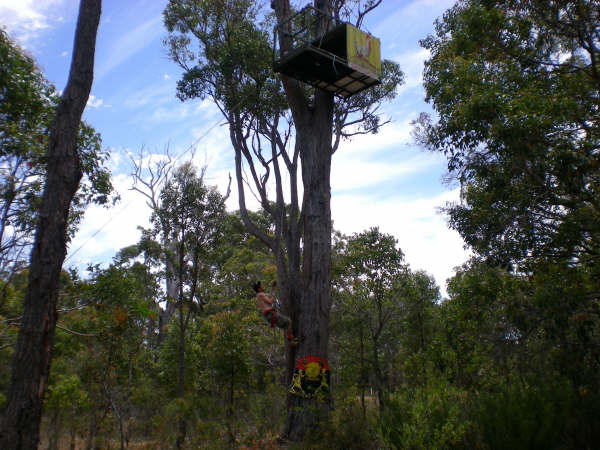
x: 311, y: 377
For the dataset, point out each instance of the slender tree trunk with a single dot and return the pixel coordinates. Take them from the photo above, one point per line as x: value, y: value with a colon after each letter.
x: 378, y: 374
x: 181, y: 374
x: 93, y: 431
x: 172, y: 287
x: 33, y: 353
x: 53, y: 431
x: 230, y: 407
x: 72, y: 434
x: 363, y: 373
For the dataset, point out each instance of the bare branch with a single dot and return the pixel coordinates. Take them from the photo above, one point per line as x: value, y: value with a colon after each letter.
x: 158, y: 173
x: 76, y: 333
x: 370, y: 6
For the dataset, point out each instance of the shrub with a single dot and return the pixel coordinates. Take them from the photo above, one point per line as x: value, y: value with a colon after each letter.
x: 346, y: 429
x: 426, y: 418
x: 525, y: 416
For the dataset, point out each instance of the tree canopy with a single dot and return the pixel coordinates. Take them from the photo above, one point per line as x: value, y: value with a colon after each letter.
x: 283, y: 133
x: 27, y: 109
x: 516, y: 86
x: 165, y: 347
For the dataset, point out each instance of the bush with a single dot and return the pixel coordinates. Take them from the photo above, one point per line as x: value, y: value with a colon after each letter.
x: 523, y: 416
x: 426, y: 418
x: 346, y: 429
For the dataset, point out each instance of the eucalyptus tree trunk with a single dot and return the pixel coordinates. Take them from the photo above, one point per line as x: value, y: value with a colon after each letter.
x: 260, y: 132
x: 311, y: 314
x: 172, y: 290
x: 33, y: 353
x: 378, y: 373
x: 310, y: 296
x: 182, y: 425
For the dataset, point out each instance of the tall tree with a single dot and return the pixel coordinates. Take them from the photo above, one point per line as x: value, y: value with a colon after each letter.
x: 147, y: 178
x: 27, y: 108
x: 33, y: 354
x: 517, y: 89
x: 374, y: 274
x: 188, y: 219
x: 232, y: 67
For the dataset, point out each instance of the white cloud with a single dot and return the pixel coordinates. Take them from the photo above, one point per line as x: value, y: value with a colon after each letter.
x: 411, y: 63
x: 103, y: 231
x: 64, y: 53
x: 211, y: 148
x: 171, y: 113
x: 166, y: 76
x: 391, y: 134
x: 151, y: 159
x: 25, y: 19
x: 130, y: 43
x: 154, y: 95
x: 359, y: 170
x: 94, y: 102
x: 421, y: 230
x: 377, y: 158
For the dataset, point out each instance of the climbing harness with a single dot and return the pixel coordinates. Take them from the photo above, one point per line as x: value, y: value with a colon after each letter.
x: 273, y: 317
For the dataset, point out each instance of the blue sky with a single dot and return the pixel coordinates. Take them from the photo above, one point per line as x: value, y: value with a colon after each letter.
x: 383, y: 180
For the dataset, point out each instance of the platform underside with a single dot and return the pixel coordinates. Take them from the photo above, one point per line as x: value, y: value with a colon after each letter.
x: 324, y: 70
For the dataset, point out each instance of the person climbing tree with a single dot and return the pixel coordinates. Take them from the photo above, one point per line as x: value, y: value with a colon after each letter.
x: 205, y: 39
x: 266, y: 303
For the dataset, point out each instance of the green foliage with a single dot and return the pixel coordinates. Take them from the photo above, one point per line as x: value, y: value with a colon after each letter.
x: 186, y: 232
x: 99, y: 360
x: 266, y: 411
x: 243, y: 260
x: 477, y: 325
x: 27, y: 107
x: 233, y: 64
x: 67, y: 393
x: 67, y: 403
x: 11, y: 309
x: 523, y: 346
x: 523, y: 416
x: 346, y: 428
x: 384, y: 314
x: 432, y: 416
x: 516, y: 89
x: 24, y: 98
x: 229, y: 350
x: 369, y: 306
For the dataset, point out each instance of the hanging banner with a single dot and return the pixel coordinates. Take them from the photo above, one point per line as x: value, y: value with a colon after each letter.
x: 363, y: 52
x: 311, y: 377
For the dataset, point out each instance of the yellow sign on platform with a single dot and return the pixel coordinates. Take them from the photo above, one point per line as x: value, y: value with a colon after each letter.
x: 363, y: 52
